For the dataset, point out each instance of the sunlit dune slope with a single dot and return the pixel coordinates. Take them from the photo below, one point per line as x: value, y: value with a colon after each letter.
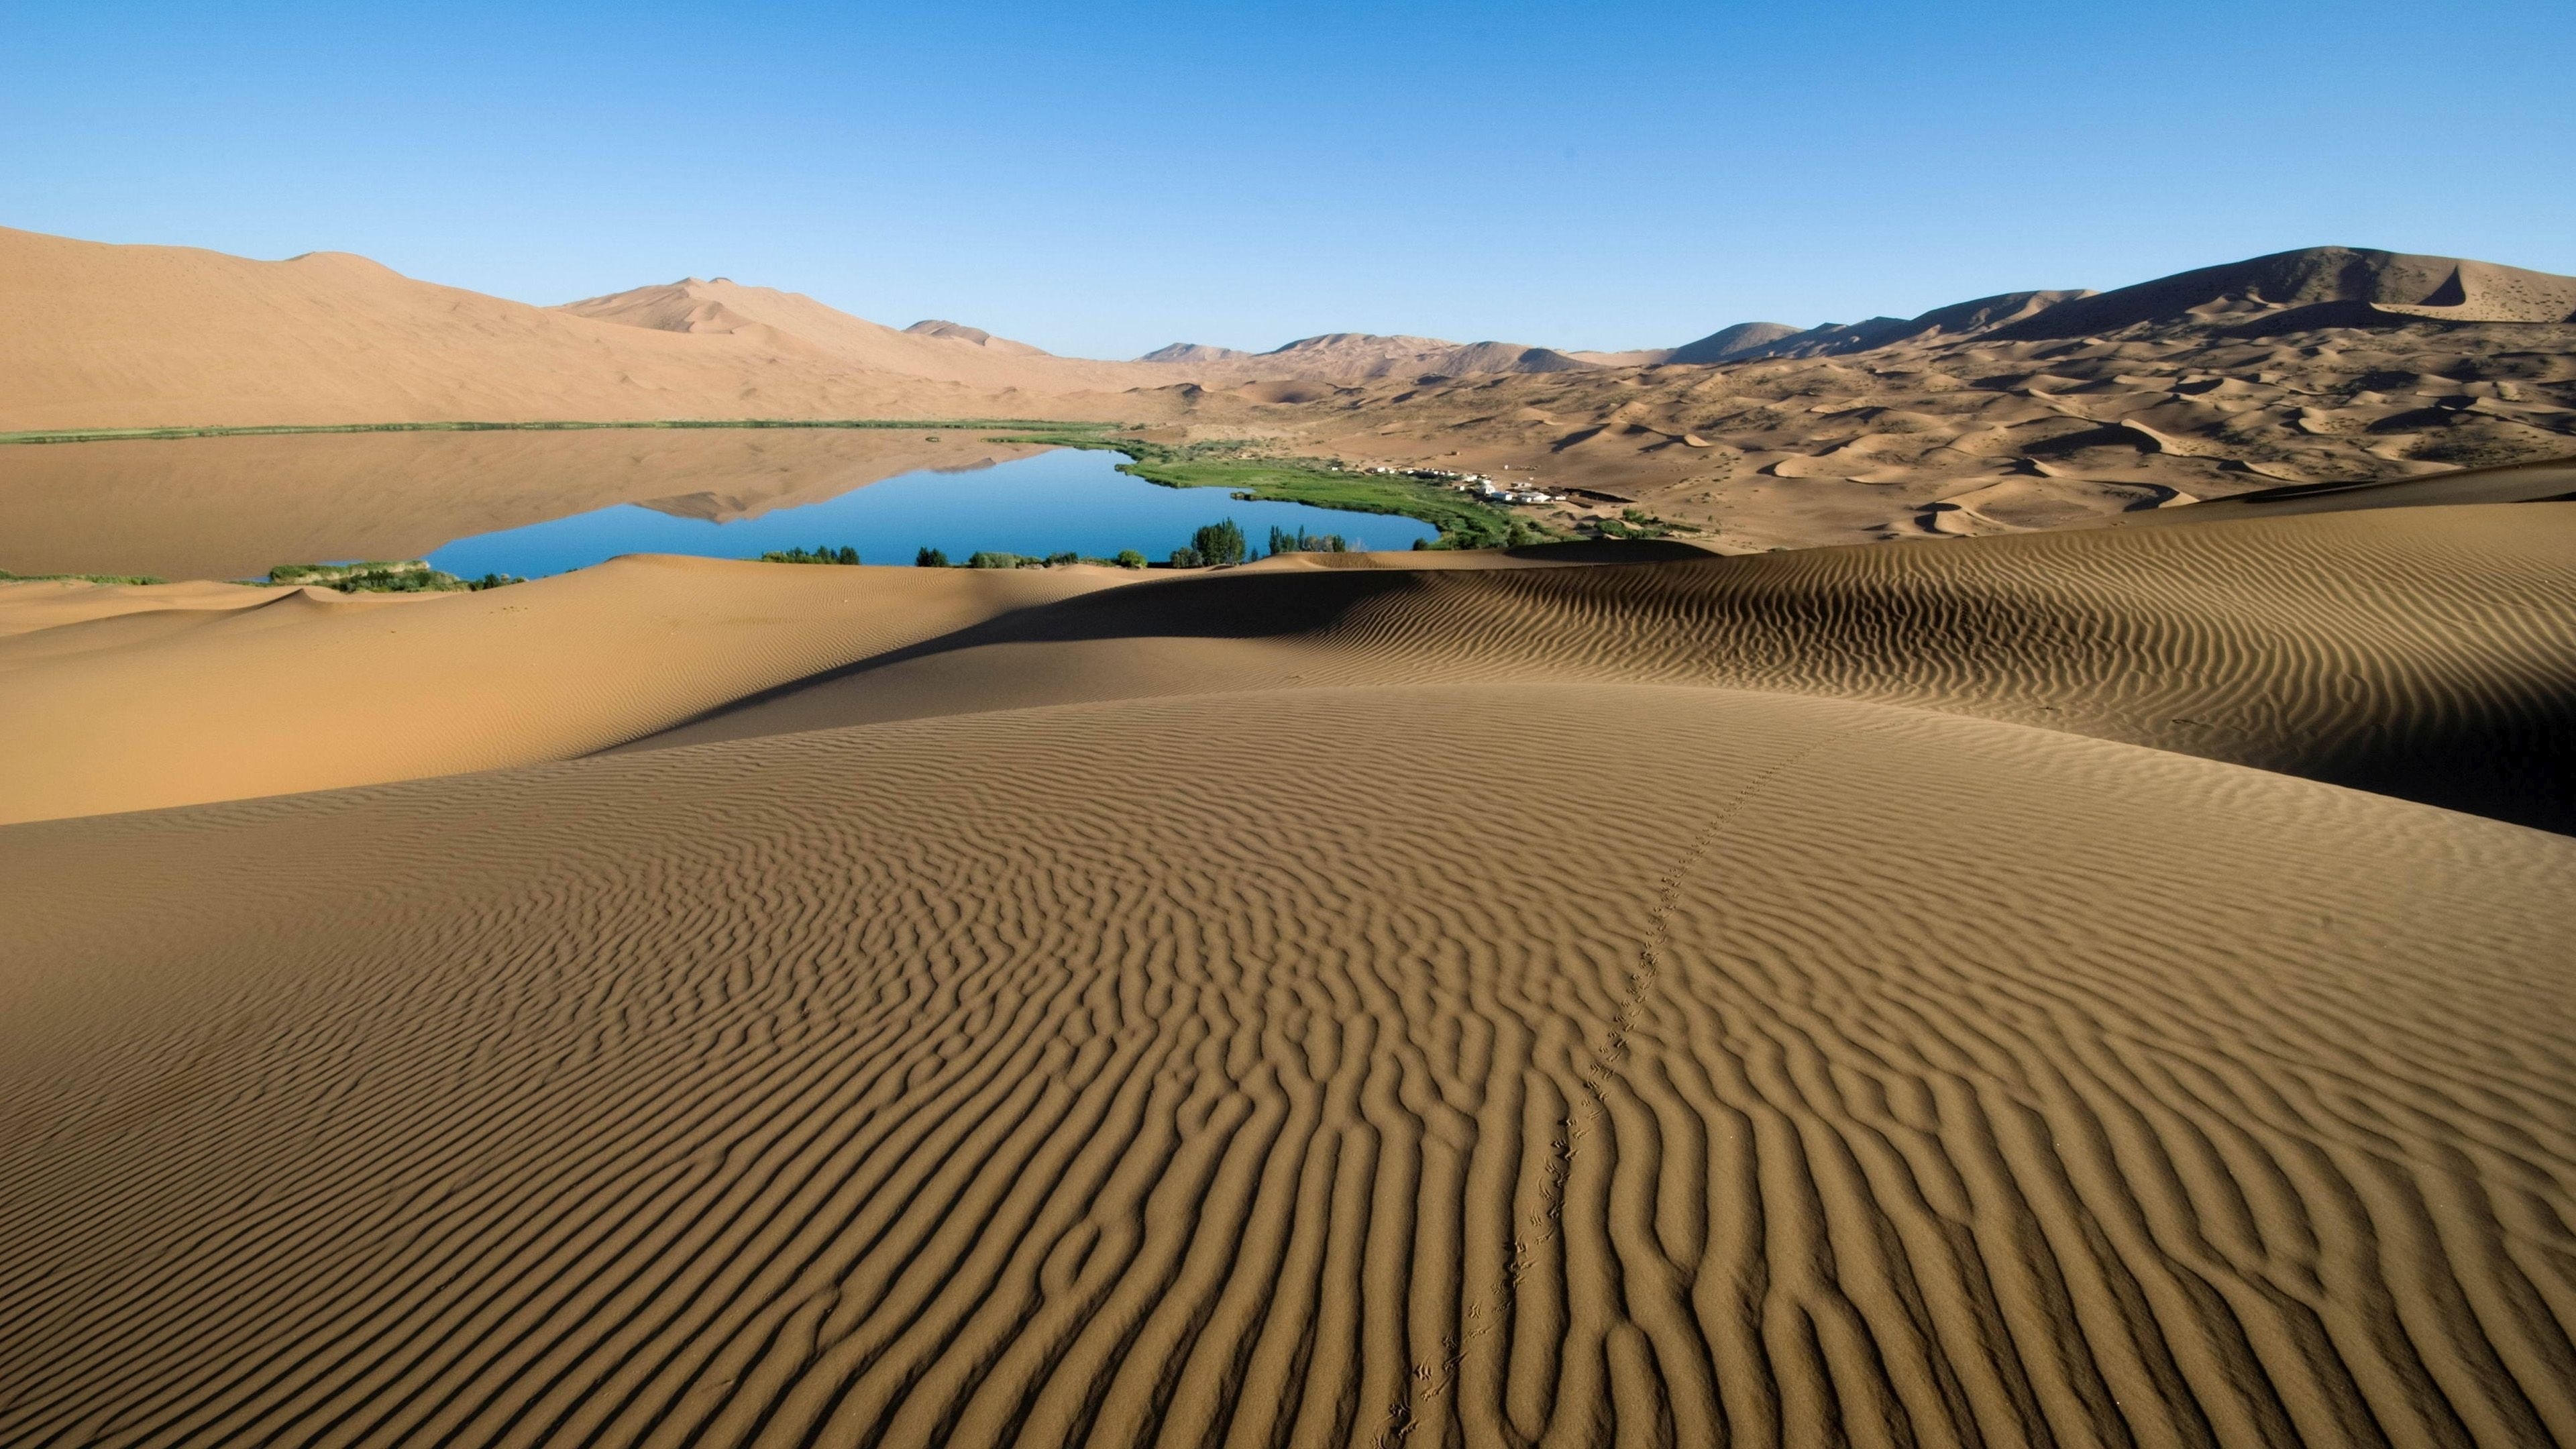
x: 218, y: 693
x: 2428, y: 653
x: 126, y: 336
x: 1277, y: 1068
x: 726, y: 308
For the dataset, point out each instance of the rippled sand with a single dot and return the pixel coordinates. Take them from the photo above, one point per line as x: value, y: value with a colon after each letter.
x: 1851, y: 997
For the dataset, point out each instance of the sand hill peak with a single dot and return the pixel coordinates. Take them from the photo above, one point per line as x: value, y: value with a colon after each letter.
x: 2328, y: 286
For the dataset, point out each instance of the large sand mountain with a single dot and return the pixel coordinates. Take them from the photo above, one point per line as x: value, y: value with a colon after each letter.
x: 105, y: 336
x: 2291, y: 291
x: 1731, y: 342
x: 789, y: 322
x: 2310, y: 288
x: 1690, y: 1000
x: 124, y: 336
x: 1749, y: 341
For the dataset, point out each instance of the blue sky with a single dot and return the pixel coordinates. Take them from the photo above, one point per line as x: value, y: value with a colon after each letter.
x: 1102, y: 179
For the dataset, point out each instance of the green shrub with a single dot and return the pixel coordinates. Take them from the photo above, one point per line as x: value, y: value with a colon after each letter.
x: 1219, y: 543
x: 824, y: 555
x: 1129, y: 558
x: 930, y: 558
x: 398, y: 576
x: 1282, y: 541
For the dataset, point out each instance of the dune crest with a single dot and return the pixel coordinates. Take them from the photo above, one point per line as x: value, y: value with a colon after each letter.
x: 792, y: 322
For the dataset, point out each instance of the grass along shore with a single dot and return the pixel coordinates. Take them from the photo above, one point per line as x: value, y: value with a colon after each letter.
x: 1056, y: 428
x: 1463, y: 522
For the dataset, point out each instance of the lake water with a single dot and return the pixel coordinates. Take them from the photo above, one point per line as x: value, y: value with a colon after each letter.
x: 1061, y: 501
x: 541, y: 502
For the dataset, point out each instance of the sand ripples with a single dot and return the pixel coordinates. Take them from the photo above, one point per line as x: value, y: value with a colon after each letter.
x: 1208, y: 1070
x: 2427, y: 653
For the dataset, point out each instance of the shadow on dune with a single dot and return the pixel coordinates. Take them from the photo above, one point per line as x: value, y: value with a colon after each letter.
x: 2406, y: 652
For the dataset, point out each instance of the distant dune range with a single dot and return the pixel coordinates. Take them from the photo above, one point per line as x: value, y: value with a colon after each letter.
x: 2030, y: 409
x: 1314, y: 1046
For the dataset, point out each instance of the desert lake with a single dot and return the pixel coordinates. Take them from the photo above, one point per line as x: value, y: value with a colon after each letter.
x: 534, y: 503
x: 1065, y: 500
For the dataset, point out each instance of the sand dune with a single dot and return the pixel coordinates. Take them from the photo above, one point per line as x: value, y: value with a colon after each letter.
x: 2324, y: 365
x: 1230, y: 1069
x: 277, y: 690
x: 944, y: 351
x: 1801, y: 452
x: 1355, y: 356
x: 2444, y: 632
x: 2089, y: 987
x: 959, y: 331
x: 2511, y: 483
x: 125, y: 336
x: 2427, y: 653
x: 2370, y: 285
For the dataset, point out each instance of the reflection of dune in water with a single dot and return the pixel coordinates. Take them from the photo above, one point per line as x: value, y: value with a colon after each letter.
x: 230, y: 507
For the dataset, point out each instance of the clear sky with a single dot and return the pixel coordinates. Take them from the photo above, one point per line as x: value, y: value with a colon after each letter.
x: 1101, y: 179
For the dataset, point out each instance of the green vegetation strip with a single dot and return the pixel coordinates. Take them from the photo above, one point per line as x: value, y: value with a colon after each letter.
x: 1462, y: 520
x: 7, y: 577
x: 1052, y: 426
x: 385, y: 576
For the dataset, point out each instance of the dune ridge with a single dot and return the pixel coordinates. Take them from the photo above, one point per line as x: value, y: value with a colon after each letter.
x: 2425, y: 652
x: 944, y: 351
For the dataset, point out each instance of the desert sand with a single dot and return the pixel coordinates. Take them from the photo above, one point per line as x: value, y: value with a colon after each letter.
x: 2081, y: 987
x: 167, y: 694
x: 2097, y: 971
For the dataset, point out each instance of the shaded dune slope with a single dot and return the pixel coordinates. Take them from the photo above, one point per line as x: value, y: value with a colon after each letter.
x: 2427, y: 653
x: 1219, y: 1070
x: 2548, y: 480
